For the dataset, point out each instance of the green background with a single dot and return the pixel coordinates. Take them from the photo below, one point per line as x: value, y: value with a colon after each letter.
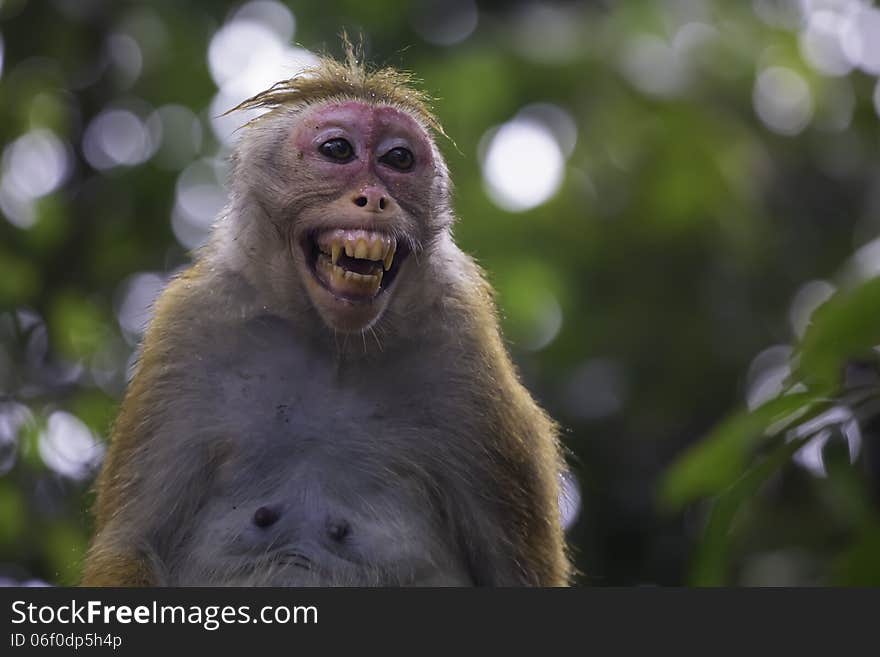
x: 683, y: 238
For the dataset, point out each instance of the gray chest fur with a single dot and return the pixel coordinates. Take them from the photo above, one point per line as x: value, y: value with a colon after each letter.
x: 327, y: 472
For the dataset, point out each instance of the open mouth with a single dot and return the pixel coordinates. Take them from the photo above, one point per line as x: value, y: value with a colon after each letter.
x: 355, y: 265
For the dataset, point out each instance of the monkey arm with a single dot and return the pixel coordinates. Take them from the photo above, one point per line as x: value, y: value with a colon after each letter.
x: 510, y: 522
x: 156, y: 472
x: 507, y: 517
x: 121, y: 553
x: 114, y: 561
x: 513, y: 536
x: 147, y: 493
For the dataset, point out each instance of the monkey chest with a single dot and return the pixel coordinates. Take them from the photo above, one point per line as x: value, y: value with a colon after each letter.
x: 323, y: 480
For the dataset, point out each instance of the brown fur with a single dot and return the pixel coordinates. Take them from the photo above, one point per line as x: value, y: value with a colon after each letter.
x: 500, y: 454
x: 331, y: 79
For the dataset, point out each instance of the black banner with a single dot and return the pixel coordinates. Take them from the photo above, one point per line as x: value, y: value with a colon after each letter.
x: 130, y: 621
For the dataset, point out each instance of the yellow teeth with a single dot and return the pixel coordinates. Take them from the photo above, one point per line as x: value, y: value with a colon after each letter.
x: 349, y: 282
x: 377, y: 250
x: 389, y: 257
x: 359, y: 244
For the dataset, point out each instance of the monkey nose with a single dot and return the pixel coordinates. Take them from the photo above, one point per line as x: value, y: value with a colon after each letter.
x: 372, y: 199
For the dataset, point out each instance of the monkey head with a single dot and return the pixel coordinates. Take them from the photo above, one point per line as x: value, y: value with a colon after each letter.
x: 357, y: 193
x: 376, y: 166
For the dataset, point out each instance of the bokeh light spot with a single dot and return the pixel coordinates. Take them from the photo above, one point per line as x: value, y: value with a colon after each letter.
x: 68, y: 447
x: 271, y: 14
x: 692, y: 37
x: 177, y: 131
x: 860, y: 39
x: 239, y: 46
x: 445, y: 23
x: 782, y: 100
x: 557, y: 120
x: 569, y: 499
x: 547, y: 32
x: 13, y: 418
x: 125, y: 55
x: 523, y: 165
x: 865, y: 262
x: 117, y: 137
x: 820, y: 43
x: 198, y: 200
x: 139, y: 292
x: 653, y: 66
x: 247, y: 55
x: 34, y: 165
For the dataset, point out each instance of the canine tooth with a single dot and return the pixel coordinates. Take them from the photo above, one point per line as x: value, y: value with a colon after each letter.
x: 361, y: 250
x: 389, y: 257
x: 336, y: 249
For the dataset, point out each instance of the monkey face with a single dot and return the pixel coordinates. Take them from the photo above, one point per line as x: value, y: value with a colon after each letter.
x: 369, y: 172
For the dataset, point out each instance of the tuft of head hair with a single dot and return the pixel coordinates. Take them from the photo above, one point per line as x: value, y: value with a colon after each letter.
x: 348, y: 79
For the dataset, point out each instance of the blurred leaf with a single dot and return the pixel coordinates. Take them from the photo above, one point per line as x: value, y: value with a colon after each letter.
x: 52, y: 225
x: 29, y: 442
x: 47, y: 110
x: 78, y: 326
x: 94, y: 408
x: 846, y: 326
x: 12, y: 512
x: 718, y: 461
x: 674, y: 248
x: 844, y: 490
x: 19, y: 279
x: 859, y: 565
x: 65, y: 546
x: 709, y: 566
x: 527, y: 290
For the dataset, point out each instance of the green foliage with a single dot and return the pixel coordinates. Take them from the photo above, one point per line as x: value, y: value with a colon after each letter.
x: 718, y: 462
x: 846, y: 327
x: 19, y: 279
x: 12, y: 512
x: 738, y: 457
x: 639, y: 299
x: 80, y: 326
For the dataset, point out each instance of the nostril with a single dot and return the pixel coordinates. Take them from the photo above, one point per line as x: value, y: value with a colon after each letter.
x: 338, y: 530
x: 381, y: 203
x: 360, y: 201
x: 266, y: 516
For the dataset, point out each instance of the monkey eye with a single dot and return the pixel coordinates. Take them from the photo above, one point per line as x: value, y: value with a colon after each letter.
x: 338, y: 149
x: 398, y: 158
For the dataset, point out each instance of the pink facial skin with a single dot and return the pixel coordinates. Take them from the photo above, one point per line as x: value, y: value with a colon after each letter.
x: 372, y: 131
x: 367, y: 189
